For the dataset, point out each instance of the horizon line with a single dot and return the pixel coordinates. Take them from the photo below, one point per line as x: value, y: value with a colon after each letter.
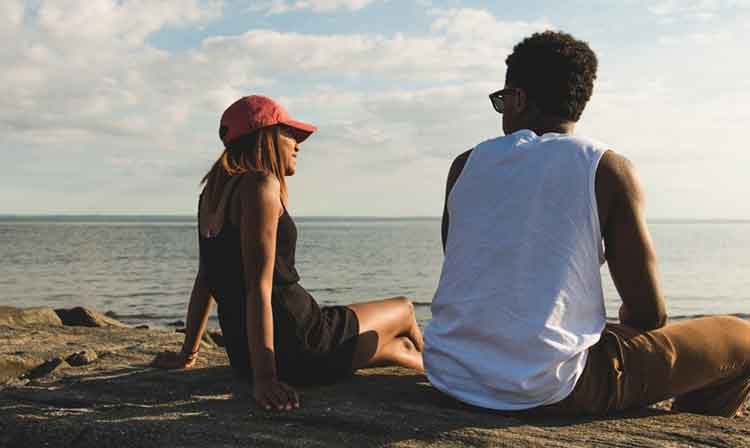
x: 188, y: 217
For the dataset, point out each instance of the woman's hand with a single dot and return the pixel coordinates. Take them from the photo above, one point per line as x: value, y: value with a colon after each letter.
x: 174, y: 360
x: 270, y: 393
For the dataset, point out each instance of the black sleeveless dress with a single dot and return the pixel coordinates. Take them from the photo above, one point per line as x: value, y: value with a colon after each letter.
x: 313, y: 345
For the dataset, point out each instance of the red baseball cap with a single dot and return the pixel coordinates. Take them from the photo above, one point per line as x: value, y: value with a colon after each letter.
x: 250, y: 113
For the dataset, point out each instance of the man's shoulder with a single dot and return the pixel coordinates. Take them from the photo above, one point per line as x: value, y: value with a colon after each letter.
x: 585, y: 140
x: 617, y: 171
x: 581, y: 145
x: 457, y: 167
x: 501, y: 140
x: 463, y: 157
x: 617, y: 186
x: 490, y: 144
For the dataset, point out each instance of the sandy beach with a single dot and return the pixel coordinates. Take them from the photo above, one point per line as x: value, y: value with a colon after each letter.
x: 88, y: 384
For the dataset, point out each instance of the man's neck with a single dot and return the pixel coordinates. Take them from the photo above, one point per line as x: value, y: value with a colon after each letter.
x: 544, y: 125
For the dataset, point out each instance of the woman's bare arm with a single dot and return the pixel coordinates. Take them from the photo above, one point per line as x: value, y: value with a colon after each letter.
x: 260, y: 210
x: 198, y: 310
x: 197, y: 316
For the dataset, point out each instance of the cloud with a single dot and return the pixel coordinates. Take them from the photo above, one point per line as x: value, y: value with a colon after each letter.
x: 702, y: 39
x: 273, y: 7
x: 124, y: 22
x: 696, y: 8
x: 480, y: 26
x: 80, y: 65
x: 11, y: 14
x: 89, y: 101
x: 672, y: 10
x: 454, y: 50
x: 401, y: 123
x: 85, y: 88
x: 106, y: 80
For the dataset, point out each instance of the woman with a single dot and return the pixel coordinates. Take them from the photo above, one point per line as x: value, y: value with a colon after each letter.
x: 247, y: 245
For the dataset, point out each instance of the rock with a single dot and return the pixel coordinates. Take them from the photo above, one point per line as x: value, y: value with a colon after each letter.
x: 81, y: 358
x: 178, y: 323
x: 50, y: 366
x: 28, y: 316
x: 84, y: 317
x: 13, y: 366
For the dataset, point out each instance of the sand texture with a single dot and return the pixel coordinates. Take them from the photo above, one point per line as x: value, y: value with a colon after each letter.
x: 91, y: 386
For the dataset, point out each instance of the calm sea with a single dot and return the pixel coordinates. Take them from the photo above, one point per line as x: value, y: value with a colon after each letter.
x: 142, y: 268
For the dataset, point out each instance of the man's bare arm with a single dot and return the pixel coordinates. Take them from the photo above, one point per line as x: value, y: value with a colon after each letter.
x: 629, y: 249
x: 453, y: 174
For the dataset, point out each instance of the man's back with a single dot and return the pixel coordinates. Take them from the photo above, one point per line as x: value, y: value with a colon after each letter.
x: 515, y: 318
x: 519, y: 300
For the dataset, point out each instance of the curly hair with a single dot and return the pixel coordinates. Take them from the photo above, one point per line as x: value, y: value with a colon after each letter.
x: 555, y: 70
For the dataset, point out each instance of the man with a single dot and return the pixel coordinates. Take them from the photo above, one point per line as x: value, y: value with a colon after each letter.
x: 518, y: 317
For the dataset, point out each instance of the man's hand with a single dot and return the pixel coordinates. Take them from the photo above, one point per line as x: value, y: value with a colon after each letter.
x: 174, y: 360
x: 270, y: 393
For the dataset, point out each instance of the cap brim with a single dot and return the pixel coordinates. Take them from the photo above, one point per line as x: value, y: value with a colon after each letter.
x: 302, y: 130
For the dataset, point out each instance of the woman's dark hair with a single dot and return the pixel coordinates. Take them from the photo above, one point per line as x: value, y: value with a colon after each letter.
x: 258, y: 152
x: 555, y: 70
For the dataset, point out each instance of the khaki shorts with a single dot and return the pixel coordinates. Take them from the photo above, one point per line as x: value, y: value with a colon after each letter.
x: 703, y: 363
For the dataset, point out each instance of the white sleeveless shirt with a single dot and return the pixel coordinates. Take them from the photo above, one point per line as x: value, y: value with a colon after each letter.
x: 520, y: 299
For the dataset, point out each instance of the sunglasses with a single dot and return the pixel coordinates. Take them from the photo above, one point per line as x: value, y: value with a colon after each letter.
x: 496, y: 98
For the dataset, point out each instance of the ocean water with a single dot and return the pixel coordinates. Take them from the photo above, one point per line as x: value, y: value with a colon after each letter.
x: 142, y: 268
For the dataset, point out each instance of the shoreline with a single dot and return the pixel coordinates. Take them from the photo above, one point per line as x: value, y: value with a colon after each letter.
x: 173, y: 321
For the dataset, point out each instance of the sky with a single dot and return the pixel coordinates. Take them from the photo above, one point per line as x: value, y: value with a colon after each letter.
x: 112, y: 106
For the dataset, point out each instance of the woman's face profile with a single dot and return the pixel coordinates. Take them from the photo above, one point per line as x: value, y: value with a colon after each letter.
x: 288, y: 149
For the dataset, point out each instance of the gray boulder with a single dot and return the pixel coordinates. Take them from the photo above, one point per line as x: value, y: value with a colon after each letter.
x: 84, y: 317
x: 82, y: 358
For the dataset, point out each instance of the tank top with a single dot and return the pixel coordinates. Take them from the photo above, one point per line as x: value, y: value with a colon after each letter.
x: 519, y: 300
x: 221, y: 255
x: 296, y: 314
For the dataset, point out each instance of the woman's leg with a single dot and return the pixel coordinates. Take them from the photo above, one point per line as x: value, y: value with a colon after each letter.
x: 388, y: 334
